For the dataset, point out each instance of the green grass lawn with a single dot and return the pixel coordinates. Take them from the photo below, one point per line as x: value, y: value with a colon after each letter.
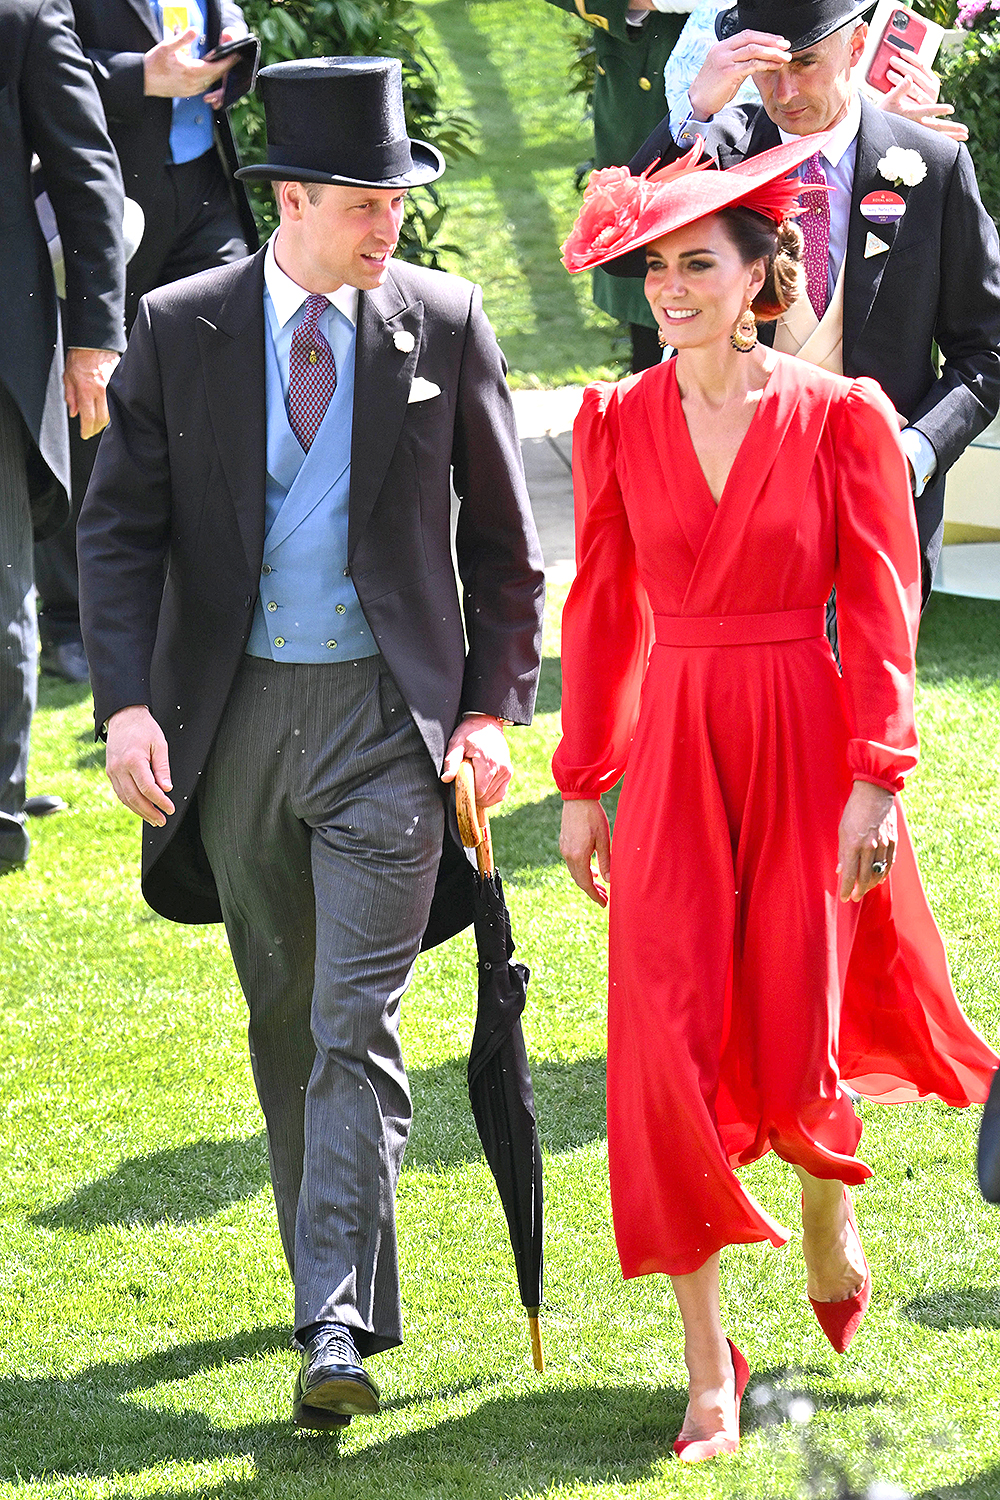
x: 504, y: 64
x: 144, y: 1304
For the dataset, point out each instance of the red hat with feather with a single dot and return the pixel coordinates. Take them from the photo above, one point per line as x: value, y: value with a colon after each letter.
x: 621, y: 213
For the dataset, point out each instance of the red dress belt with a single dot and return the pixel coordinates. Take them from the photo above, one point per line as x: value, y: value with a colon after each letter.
x: 740, y: 630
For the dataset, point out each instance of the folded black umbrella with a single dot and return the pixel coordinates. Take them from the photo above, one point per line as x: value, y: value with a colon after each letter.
x: 503, y: 1102
x: 988, y: 1152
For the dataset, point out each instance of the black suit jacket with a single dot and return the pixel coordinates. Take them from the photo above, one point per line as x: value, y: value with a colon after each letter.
x: 939, y: 285
x: 116, y: 34
x: 171, y: 537
x: 49, y: 105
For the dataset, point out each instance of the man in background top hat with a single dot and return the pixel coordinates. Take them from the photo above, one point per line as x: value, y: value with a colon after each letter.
x: 278, y: 650
x: 49, y: 108
x: 177, y: 154
x: 901, y: 255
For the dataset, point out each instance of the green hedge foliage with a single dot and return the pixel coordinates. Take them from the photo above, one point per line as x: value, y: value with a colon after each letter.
x: 970, y: 79
x: 290, y: 29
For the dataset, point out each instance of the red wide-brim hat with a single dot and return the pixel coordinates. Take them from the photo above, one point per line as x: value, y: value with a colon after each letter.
x: 622, y: 213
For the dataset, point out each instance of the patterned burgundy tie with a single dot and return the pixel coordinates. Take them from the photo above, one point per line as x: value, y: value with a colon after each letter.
x: 312, y: 374
x: 815, y: 222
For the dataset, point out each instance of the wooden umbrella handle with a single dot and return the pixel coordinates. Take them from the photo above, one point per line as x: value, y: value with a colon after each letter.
x: 473, y: 820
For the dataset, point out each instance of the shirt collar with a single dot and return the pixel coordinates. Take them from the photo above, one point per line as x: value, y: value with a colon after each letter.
x: 287, y: 296
x: 842, y: 135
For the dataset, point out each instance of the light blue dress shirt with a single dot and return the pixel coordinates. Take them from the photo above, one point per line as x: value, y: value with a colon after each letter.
x: 191, y: 132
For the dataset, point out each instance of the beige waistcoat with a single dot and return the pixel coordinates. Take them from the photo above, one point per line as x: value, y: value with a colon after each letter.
x: 818, y: 340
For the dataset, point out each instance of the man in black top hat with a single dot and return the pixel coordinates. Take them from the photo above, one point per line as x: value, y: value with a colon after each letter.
x: 911, y: 256
x: 283, y: 663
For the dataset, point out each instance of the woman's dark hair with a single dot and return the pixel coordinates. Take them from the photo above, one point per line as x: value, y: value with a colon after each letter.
x: 779, y: 246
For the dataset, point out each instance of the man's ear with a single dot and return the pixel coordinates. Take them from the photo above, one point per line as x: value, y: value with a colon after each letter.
x: 292, y: 200
x: 858, y: 38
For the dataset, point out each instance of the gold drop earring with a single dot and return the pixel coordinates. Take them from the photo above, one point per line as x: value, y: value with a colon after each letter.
x: 744, y: 335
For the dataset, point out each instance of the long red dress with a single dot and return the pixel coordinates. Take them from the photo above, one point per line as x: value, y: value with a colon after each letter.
x: 741, y: 990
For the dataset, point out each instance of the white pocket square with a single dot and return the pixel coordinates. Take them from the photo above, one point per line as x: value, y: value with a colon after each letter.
x: 422, y: 390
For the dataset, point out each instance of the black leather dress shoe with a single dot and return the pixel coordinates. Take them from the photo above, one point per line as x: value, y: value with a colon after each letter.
x: 44, y: 804
x: 332, y: 1386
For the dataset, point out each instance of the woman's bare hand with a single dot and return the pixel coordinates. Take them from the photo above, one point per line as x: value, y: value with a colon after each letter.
x: 585, y: 832
x: 867, y: 838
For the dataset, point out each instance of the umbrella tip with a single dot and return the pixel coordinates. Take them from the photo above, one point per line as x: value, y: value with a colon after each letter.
x: 537, y: 1358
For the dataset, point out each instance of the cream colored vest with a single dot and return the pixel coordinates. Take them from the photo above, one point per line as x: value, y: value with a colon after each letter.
x: 818, y: 340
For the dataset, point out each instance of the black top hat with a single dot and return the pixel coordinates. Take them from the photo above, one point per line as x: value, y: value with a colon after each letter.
x: 340, y: 119
x: 803, y: 22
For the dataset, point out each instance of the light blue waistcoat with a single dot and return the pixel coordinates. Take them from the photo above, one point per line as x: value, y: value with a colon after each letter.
x: 307, y: 600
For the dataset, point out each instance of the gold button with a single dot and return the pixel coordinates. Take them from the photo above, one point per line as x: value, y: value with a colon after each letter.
x: 272, y: 606
x: 313, y: 356
x: 342, y: 609
x: 279, y: 640
x: 644, y: 83
x: 331, y: 645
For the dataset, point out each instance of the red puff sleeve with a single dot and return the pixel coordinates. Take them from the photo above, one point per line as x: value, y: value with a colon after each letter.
x: 878, y: 587
x: 607, y: 623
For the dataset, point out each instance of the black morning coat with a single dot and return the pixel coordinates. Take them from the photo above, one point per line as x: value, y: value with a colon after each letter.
x: 49, y: 105
x: 115, y: 35
x: 171, y: 537
x: 938, y: 284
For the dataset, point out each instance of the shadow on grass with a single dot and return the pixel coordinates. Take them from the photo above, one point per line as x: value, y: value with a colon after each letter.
x: 91, y: 1425
x: 54, y: 692
x: 569, y: 1103
x: 957, y: 1307
x: 527, y: 837
x: 182, y: 1183
x: 197, y: 1180
x: 960, y: 638
x: 92, y: 758
x: 549, y: 686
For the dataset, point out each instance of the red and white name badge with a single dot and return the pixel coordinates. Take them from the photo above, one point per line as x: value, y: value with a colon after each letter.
x: 882, y: 208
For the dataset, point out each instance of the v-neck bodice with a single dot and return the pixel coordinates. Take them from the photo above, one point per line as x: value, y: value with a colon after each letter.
x: 691, y: 552
x: 677, y: 419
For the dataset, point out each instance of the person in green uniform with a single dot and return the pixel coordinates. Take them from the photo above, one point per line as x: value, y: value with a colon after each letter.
x: 633, y: 40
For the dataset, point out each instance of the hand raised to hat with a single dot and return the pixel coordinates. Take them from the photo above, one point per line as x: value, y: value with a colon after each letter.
x: 728, y: 66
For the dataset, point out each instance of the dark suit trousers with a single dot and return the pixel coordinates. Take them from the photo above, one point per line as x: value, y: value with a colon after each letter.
x: 191, y: 225
x: 322, y: 816
x: 18, y: 643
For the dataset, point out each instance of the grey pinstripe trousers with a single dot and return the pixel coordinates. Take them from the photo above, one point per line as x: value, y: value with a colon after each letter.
x: 322, y: 817
x: 18, y: 634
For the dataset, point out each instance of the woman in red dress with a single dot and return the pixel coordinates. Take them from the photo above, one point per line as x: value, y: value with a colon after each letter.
x: 761, y: 955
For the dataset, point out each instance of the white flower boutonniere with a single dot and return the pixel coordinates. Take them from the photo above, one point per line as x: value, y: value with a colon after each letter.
x: 404, y: 342
x: 904, y: 168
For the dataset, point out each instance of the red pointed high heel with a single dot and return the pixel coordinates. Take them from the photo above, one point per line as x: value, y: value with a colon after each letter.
x: 695, y: 1450
x: 840, y: 1321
